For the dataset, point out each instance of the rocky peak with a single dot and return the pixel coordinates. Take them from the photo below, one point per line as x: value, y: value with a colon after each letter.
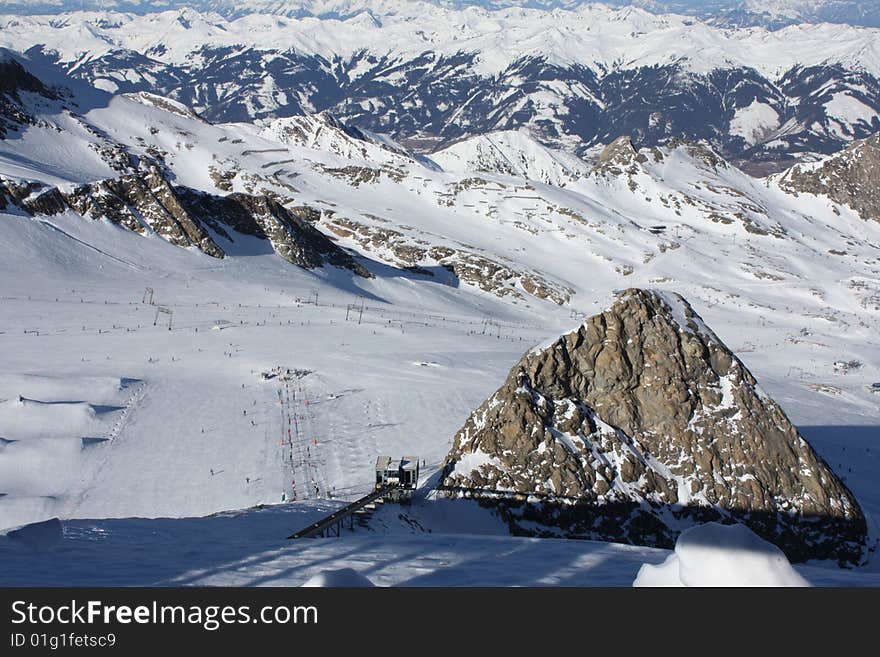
x: 618, y: 156
x: 309, y: 129
x: 849, y: 177
x: 330, y: 120
x: 639, y: 423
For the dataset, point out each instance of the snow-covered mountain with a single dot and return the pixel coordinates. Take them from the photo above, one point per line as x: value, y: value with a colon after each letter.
x: 722, y: 12
x: 323, y: 132
x: 575, y: 78
x: 512, y: 152
x: 82, y: 150
x: 390, y: 293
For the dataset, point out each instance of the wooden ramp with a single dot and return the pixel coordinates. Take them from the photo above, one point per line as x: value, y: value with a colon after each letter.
x: 332, y: 524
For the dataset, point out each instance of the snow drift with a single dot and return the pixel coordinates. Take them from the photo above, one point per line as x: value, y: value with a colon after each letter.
x: 721, y: 555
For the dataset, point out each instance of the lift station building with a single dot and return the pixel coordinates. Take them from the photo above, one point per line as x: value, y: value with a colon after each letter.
x: 402, y: 472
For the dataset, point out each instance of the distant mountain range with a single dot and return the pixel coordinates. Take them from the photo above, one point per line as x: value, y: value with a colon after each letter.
x: 773, y: 14
x: 430, y: 75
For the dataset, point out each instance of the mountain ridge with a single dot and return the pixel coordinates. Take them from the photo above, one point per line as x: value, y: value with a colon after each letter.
x: 729, y: 13
x: 763, y: 97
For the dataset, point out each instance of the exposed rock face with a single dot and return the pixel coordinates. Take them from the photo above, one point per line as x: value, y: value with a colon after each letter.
x: 14, y: 80
x: 618, y: 157
x: 500, y: 279
x: 621, y: 157
x: 851, y: 177
x: 140, y: 201
x: 356, y: 175
x: 636, y: 425
x: 146, y: 201
x: 292, y: 235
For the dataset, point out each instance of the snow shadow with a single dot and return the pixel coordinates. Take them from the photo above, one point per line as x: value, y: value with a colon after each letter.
x: 160, y: 551
x: 422, y: 273
x: 802, y: 537
x: 41, y: 64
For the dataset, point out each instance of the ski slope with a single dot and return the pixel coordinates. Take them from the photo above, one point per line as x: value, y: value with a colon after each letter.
x: 401, y: 381
x: 175, y: 405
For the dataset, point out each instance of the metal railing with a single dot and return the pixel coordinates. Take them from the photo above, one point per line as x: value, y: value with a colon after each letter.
x: 323, y: 526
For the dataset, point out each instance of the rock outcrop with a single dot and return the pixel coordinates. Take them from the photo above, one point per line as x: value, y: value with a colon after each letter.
x: 143, y: 201
x: 849, y: 177
x: 503, y: 279
x: 146, y: 201
x: 15, y: 80
x: 640, y: 423
x: 618, y: 157
x: 290, y: 230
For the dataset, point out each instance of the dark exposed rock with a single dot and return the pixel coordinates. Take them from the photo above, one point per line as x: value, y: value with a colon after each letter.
x: 15, y: 193
x: 140, y: 202
x: 639, y: 423
x: 292, y: 235
x: 14, y: 80
x: 489, y: 275
x: 851, y: 177
x: 146, y: 201
x: 223, y: 177
x: 356, y: 175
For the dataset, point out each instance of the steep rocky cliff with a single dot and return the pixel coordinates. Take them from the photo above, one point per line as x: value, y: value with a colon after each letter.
x: 288, y: 229
x: 14, y: 81
x: 639, y: 423
x: 850, y: 177
x: 146, y: 201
